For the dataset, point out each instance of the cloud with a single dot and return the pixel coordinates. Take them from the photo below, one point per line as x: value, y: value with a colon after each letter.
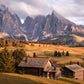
x: 71, y: 9
x: 68, y: 8
x: 27, y: 7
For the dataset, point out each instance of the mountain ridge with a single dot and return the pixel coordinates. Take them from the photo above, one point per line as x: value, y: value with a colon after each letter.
x: 52, y: 24
x: 36, y: 29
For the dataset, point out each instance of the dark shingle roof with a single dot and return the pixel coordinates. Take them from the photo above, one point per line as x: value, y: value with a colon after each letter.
x: 74, y: 67
x: 33, y: 62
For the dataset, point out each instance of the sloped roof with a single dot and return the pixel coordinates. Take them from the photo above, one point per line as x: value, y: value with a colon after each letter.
x: 74, y: 67
x: 33, y: 62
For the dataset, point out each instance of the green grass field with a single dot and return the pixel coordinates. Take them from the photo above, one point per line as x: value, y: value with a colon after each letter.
x: 11, y: 78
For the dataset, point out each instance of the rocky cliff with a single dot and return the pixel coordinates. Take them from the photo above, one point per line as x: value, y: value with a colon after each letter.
x: 9, y: 23
x: 42, y: 27
x: 38, y: 28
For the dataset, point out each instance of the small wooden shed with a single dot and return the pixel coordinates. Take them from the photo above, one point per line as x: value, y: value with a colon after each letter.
x: 41, y: 67
x: 73, y: 71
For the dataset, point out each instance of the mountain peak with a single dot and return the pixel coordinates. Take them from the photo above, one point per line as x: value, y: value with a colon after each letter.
x: 54, y: 13
x: 61, y: 18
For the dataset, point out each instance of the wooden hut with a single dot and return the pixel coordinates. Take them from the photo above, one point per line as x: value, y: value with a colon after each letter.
x: 73, y: 71
x: 41, y: 67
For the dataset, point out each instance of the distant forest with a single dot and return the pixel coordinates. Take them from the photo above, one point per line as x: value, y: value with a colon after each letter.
x: 14, y: 43
x: 22, y: 43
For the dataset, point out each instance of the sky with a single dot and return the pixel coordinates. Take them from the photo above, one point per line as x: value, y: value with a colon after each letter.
x: 70, y: 9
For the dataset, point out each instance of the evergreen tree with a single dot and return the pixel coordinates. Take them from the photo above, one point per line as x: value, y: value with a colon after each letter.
x: 78, y: 63
x: 67, y: 53
x: 55, y: 53
x: 59, y: 54
x: 18, y: 56
x: 34, y: 55
x: 6, y: 43
x: 7, y: 62
x: 63, y: 53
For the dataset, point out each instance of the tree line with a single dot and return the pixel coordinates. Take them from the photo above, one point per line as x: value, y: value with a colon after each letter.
x: 43, y: 42
x: 9, y: 60
x: 14, y: 43
x: 59, y: 54
x: 56, y: 54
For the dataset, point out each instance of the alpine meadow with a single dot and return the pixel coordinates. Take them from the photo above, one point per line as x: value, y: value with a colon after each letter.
x: 41, y: 42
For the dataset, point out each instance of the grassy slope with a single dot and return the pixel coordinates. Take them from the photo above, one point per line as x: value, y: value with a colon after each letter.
x: 76, y: 53
x: 28, y: 79
x: 69, y: 38
x: 11, y: 78
x: 72, y: 50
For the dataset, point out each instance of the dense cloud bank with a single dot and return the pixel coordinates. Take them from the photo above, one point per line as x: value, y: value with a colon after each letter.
x: 71, y: 9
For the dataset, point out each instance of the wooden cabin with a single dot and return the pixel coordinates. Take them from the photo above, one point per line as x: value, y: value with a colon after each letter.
x: 41, y: 67
x: 73, y: 71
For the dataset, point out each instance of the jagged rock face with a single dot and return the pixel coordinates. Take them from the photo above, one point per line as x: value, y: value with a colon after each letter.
x: 8, y: 22
x: 42, y: 27
x: 36, y: 29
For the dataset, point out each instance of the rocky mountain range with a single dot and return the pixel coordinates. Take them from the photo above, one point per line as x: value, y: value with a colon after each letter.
x: 35, y: 29
x: 10, y: 24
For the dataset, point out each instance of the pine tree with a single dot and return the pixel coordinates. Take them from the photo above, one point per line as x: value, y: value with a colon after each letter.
x: 55, y: 53
x: 34, y: 55
x: 18, y: 56
x: 59, y: 54
x: 67, y: 53
x: 63, y: 53
x: 7, y: 62
x: 78, y: 63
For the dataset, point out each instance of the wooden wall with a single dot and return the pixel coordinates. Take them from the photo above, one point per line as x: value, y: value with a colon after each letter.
x: 79, y: 75
x: 67, y: 73
x: 33, y: 71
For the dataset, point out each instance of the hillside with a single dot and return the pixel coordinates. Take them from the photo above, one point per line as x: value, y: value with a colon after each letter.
x: 10, y: 25
x: 11, y: 78
x: 73, y: 38
x: 43, y: 27
x: 76, y: 53
x: 47, y: 50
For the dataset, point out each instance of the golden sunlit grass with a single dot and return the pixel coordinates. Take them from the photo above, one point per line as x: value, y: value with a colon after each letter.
x: 53, y: 39
x: 44, y: 47
x: 46, y: 50
x: 43, y: 50
x: 78, y: 38
x: 64, y: 60
x: 11, y: 78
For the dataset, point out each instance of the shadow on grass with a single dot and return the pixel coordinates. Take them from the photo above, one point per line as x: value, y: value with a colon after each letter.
x: 7, y: 79
x: 69, y: 81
